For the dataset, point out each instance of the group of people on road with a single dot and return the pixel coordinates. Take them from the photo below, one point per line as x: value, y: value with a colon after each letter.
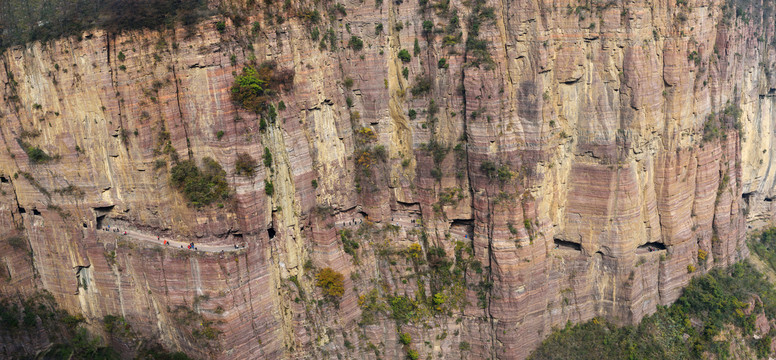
x: 114, y: 230
x: 190, y: 246
x: 352, y: 222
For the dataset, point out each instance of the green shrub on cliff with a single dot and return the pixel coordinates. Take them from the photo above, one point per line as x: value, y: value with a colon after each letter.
x: 349, y: 244
x: 200, y: 186
x: 356, y: 43
x: 711, y: 129
x: 428, y: 27
x: 267, y: 157
x: 405, y: 56
x: 711, y: 310
x: 255, y: 85
x: 489, y: 169
x: 35, y: 154
x: 405, y: 338
x: 250, y: 89
x: 404, y: 309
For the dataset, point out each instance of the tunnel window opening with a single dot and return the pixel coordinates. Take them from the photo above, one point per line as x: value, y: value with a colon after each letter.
x: 104, y: 208
x: 567, y: 245
x: 463, y: 222
x: 271, y: 233
x: 463, y: 228
x: 100, y: 219
x: 237, y: 239
x: 651, y: 246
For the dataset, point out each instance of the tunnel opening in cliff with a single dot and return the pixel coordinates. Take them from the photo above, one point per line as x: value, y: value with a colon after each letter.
x: 567, y: 245
x: 462, y: 228
x: 650, y: 247
x: 22, y: 210
x: 747, y: 201
x: 35, y: 212
x: 100, y: 219
x: 237, y: 239
x: 102, y: 212
x: 3, y: 179
x: 271, y: 233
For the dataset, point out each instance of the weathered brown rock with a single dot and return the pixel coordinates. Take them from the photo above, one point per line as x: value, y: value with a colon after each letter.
x: 600, y: 122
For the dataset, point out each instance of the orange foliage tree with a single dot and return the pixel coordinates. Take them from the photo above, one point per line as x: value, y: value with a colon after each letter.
x: 331, y: 283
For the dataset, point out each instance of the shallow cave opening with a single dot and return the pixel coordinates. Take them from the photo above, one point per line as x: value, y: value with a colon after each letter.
x: 22, y: 210
x: 35, y: 212
x: 3, y: 179
x: 652, y: 246
x: 568, y: 245
x: 271, y: 233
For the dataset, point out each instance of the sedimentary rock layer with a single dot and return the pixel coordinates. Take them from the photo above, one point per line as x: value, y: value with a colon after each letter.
x: 589, y: 158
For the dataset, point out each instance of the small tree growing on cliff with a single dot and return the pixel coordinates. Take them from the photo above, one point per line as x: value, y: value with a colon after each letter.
x: 245, y: 164
x: 249, y: 89
x: 267, y: 157
x: 200, y: 186
x: 253, y: 88
x: 356, y: 43
x: 405, y: 56
x: 35, y: 154
x: 332, y: 283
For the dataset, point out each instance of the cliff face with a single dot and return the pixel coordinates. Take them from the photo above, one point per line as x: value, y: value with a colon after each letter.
x: 571, y: 161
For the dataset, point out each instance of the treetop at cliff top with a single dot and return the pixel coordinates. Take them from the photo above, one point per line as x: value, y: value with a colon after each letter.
x: 23, y: 21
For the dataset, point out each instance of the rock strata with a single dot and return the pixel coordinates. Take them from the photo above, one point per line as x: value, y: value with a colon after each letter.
x: 565, y: 161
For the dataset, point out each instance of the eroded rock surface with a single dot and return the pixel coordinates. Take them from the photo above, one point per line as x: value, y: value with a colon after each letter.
x: 568, y: 159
